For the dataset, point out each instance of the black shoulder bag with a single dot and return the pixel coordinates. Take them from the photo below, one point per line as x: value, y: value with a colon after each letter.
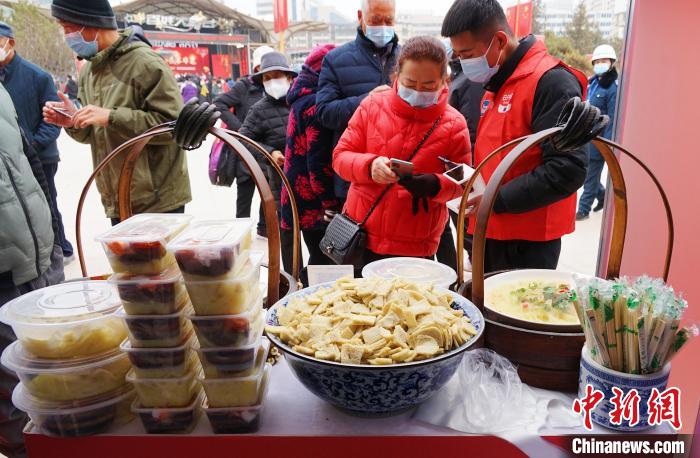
x: 345, y: 240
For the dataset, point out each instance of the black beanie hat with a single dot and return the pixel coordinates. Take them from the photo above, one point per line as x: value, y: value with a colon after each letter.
x: 88, y: 13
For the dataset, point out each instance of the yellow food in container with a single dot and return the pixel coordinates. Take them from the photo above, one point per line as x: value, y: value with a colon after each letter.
x: 70, y: 320
x: 69, y: 380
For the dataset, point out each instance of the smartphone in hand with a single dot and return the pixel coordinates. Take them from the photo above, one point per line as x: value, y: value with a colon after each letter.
x: 448, y: 163
x: 61, y: 111
x: 401, y: 168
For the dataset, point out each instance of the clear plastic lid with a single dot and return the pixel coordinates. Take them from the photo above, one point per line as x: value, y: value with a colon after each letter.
x: 147, y: 227
x: 189, y: 342
x: 65, y: 303
x: 25, y: 402
x: 17, y: 359
x: 171, y: 275
x: 184, y: 310
x: 213, y: 234
x: 412, y: 269
x: 255, y: 377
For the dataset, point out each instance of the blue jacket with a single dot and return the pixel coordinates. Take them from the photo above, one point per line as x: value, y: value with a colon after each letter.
x: 602, y: 93
x: 30, y: 88
x: 348, y: 74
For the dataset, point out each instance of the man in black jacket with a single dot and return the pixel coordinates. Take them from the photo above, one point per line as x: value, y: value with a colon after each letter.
x: 352, y: 71
x: 526, y: 91
x: 234, y: 106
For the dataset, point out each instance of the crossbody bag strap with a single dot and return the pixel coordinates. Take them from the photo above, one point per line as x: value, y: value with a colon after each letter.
x: 410, y: 158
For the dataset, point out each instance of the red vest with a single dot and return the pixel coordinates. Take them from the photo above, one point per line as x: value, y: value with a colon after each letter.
x: 505, y: 116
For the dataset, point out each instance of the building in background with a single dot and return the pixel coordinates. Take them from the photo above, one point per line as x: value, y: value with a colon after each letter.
x: 609, y: 16
x: 417, y: 23
x: 197, y: 36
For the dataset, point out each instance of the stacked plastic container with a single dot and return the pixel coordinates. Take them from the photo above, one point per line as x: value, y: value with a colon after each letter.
x: 67, y: 358
x: 155, y: 309
x: 221, y: 275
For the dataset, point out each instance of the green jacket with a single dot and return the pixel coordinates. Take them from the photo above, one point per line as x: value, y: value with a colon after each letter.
x: 26, y: 234
x: 138, y: 86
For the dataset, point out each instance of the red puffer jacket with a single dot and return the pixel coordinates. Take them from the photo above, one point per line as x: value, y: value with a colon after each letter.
x: 385, y: 125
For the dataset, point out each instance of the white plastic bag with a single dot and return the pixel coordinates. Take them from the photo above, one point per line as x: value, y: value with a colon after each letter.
x: 486, y: 396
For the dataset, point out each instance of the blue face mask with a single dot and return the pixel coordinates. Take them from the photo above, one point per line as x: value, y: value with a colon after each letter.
x: 601, y: 68
x: 419, y: 99
x: 380, y: 35
x: 84, y: 49
x: 477, y: 69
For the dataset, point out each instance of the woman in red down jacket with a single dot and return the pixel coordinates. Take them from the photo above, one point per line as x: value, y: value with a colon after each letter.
x: 410, y: 219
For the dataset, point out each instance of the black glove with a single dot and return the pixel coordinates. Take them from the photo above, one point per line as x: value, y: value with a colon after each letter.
x: 422, y: 187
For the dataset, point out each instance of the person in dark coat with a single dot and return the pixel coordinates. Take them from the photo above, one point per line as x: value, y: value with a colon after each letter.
x: 266, y: 124
x: 234, y: 106
x: 602, y: 93
x: 308, y: 159
x: 465, y: 96
x: 354, y: 70
x: 30, y: 87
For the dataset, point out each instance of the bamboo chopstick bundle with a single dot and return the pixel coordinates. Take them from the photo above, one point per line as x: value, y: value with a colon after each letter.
x: 631, y: 326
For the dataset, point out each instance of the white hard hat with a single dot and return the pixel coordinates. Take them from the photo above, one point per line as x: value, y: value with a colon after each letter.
x: 604, y: 52
x: 259, y: 53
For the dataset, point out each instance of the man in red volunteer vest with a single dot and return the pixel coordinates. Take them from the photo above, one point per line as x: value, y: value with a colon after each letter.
x: 526, y: 89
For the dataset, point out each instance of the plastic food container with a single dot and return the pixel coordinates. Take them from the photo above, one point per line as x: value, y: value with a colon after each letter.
x: 238, y: 420
x: 158, y: 331
x: 417, y: 270
x: 176, y: 420
x: 214, y: 368
x: 160, y: 362
x: 233, y: 391
x: 68, y: 380
x: 70, y: 419
x: 229, y: 330
x: 70, y: 320
x: 213, y: 250
x: 160, y: 294
x: 230, y: 296
x: 166, y: 392
x: 137, y: 245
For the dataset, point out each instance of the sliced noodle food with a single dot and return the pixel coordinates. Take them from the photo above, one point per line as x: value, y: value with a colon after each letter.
x: 373, y: 321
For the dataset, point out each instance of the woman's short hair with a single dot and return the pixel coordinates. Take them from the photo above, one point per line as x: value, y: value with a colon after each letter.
x: 424, y: 48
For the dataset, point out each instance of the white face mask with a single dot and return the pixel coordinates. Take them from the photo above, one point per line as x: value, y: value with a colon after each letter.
x: 477, y: 69
x: 277, y: 88
x: 419, y: 99
x: 4, y: 52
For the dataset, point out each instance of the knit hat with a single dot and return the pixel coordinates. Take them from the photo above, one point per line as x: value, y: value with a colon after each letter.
x: 315, y: 58
x: 6, y: 31
x: 92, y: 13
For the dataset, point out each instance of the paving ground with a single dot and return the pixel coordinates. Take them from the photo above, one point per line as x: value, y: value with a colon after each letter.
x: 579, y: 252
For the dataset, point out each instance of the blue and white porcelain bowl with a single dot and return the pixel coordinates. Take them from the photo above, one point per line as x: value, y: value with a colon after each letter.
x: 604, y: 379
x: 375, y: 390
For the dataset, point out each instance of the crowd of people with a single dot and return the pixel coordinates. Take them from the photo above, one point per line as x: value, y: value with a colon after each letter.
x: 204, y: 87
x: 336, y: 128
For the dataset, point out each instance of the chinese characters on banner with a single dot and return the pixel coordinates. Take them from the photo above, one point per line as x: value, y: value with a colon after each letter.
x: 185, y: 60
x: 661, y: 407
x: 520, y: 18
x: 281, y: 15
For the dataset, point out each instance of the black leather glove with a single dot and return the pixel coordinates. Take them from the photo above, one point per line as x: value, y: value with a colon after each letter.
x: 422, y: 187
